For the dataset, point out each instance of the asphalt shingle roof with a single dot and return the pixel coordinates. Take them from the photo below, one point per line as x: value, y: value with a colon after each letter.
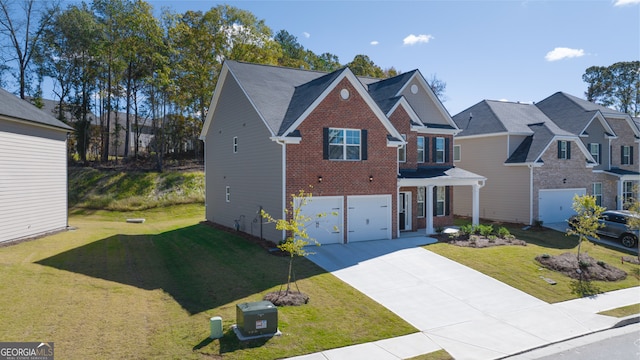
x: 14, y: 107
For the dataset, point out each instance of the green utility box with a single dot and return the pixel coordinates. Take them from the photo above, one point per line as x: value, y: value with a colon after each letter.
x: 257, y: 318
x: 216, y: 327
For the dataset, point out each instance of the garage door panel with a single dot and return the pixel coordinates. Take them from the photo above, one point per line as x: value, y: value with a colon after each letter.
x: 555, y: 205
x: 369, y: 217
x: 326, y: 229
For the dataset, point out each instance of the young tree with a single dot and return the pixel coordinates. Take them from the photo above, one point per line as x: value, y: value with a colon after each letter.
x: 295, y: 224
x: 585, y: 222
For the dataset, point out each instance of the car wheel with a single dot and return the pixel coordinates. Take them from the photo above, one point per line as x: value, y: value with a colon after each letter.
x: 628, y: 240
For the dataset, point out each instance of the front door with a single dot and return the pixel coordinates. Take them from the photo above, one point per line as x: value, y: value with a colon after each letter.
x: 404, y: 211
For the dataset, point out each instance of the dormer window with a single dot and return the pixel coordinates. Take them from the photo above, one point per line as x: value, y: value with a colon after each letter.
x: 595, y: 151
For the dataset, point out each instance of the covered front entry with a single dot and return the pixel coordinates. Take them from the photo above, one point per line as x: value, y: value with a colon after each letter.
x: 440, y: 180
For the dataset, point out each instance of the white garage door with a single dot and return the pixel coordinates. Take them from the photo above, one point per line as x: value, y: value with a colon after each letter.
x: 368, y: 217
x: 328, y: 228
x: 555, y: 205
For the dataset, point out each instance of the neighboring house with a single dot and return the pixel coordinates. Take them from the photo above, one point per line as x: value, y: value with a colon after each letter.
x: 376, y: 152
x: 538, y: 156
x: 33, y: 170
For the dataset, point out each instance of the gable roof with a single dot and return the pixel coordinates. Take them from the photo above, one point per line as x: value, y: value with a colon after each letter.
x: 574, y: 114
x: 12, y: 106
x: 283, y: 97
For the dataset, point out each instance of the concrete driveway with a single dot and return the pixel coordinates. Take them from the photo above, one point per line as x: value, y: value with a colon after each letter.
x: 470, y: 315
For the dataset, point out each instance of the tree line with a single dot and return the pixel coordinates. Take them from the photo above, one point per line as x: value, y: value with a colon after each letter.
x: 114, y: 57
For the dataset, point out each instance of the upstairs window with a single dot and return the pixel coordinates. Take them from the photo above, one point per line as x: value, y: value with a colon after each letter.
x: 456, y: 153
x: 227, y: 195
x: 440, y: 150
x: 235, y: 144
x: 402, y: 151
x: 564, y: 149
x: 626, y: 155
x: 421, y: 147
x: 344, y: 144
x: 595, y: 151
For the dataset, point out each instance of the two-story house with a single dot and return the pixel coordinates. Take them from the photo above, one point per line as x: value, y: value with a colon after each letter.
x: 375, y: 152
x: 539, y: 156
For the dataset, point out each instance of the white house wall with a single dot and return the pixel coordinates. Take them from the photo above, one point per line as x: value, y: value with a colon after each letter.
x: 33, y: 180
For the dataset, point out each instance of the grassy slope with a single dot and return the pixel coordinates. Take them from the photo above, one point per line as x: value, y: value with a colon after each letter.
x: 110, y: 289
x: 123, y: 191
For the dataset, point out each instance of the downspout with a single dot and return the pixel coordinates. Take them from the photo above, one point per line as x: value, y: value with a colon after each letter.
x: 530, y: 194
x: 284, y: 179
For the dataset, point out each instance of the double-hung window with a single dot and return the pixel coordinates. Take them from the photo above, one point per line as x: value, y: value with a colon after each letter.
x: 235, y: 144
x: 402, y: 151
x: 421, y: 201
x: 626, y: 155
x: 344, y: 144
x: 628, y: 194
x: 564, y: 149
x: 597, y: 193
x: 594, y: 149
x: 441, y: 199
x: 440, y: 150
x: 421, y: 152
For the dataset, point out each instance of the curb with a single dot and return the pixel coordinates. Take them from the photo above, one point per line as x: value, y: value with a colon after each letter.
x: 629, y: 320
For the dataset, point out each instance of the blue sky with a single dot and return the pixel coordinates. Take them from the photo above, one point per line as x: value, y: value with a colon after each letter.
x: 499, y: 50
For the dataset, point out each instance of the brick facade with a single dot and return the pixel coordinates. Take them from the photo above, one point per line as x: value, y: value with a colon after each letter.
x: 305, y: 161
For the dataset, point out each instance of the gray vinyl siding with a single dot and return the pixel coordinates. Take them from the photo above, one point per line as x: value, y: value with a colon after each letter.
x: 426, y: 109
x: 596, y: 134
x: 505, y: 196
x: 253, y: 174
x: 33, y: 180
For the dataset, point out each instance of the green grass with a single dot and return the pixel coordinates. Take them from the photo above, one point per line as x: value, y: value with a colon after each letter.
x: 623, y: 311
x: 436, y: 355
x: 517, y: 267
x: 110, y: 289
x: 90, y: 188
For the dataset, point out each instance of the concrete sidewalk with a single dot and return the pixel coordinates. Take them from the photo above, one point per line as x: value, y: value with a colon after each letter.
x: 470, y: 315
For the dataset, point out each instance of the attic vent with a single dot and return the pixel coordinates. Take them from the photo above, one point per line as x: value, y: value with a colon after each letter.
x: 414, y: 89
x: 344, y: 94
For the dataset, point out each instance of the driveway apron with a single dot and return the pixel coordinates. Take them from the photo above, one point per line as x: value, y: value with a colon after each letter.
x: 470, y: 315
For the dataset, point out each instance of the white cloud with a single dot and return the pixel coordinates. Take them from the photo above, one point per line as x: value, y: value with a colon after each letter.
x: 416, y: 39
x: 306, y: 34
x: 374, y: 42
x: 560, y: 53
x: 625, y: 2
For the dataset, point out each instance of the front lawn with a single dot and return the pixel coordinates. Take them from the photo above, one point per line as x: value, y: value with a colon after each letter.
x: 110, y: 289
x: 517, y: 267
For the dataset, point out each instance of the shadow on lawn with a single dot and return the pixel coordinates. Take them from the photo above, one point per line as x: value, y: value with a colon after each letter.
x: 200, y: 267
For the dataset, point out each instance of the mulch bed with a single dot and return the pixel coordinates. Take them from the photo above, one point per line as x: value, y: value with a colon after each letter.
x: 590, y: 268
x: 287, y: 298
x: 476, y: 241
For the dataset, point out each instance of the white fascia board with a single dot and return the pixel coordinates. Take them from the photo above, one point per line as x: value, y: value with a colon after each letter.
x: 346, y: 73
x: 216, y: 97
x: 532, y: 164
x: 391, y: 143
x: 286, y: 139
x: 407, y: 107
x: 434, y: 131
x: 432, y: 95
x: 480, y: 136
x: 574, y: 139
x: 603, y: 122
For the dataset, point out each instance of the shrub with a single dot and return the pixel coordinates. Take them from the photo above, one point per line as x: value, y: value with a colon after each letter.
x: 467, y: 229
x: 503, y: 232
x: 485, y: 230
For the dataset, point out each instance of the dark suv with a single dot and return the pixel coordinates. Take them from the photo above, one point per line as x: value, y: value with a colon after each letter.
x: 615, y: 225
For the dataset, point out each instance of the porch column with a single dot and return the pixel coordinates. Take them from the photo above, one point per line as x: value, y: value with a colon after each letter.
x: 475, y: 212
x: 429, y: 210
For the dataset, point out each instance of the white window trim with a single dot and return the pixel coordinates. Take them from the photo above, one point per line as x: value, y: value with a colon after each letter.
x: 443, y: 201
x: 421, y: 204
x: 626, y: 155
x: 421, y: 159
x: 402, y: 150
x: 459, y: 157
x: 235, y: 144
x: 228, y: 194
x: 563, y: 149
x: 597, y: 195
x: 596, y: 156
x: 443, y: 150
x: 344, y: 144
